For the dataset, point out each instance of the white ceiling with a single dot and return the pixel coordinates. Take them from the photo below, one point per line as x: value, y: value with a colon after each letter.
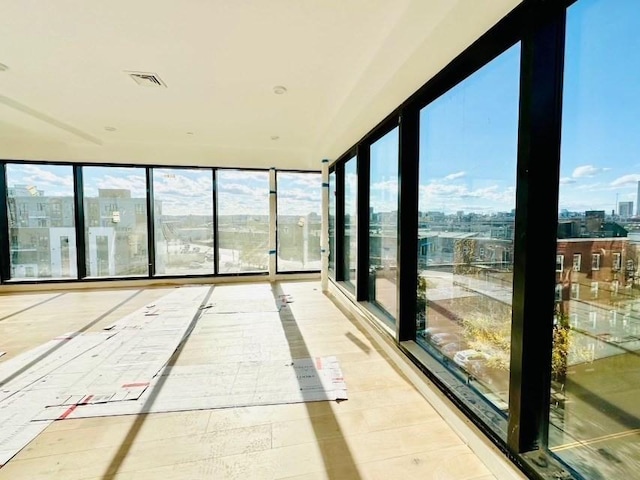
x: 345, y: 63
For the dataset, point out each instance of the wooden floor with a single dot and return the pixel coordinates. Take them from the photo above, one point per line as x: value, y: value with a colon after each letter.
x: 386, y: 430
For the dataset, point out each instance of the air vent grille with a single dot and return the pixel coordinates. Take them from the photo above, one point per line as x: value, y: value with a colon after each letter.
x: 146, y: 79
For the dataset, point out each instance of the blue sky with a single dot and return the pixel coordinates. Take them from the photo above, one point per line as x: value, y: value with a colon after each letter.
x: 600, y: 141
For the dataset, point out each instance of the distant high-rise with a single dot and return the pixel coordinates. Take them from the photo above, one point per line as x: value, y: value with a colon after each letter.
x: 625, y: 209
x: 638, y: 201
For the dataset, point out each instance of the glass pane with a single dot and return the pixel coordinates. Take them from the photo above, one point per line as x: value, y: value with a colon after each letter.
x: 383, y: 222
x: 183, y: 216
x: 243, y: 220
x: 115, y: 216
x: 468, y: 155
x: 595, y: 413
x: 350, y: 220
x: 42, y: 234
x: 332, y: 224
x: 299, y: 205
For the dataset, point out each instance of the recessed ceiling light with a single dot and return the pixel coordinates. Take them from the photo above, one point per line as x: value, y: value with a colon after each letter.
x: 275, y: 137
x: 189, y: 133
x: 279, y: 90
x: 110, y: 129
x: 3, y: 67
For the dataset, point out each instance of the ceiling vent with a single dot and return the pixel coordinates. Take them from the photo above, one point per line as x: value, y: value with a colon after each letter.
x: 146, y: 79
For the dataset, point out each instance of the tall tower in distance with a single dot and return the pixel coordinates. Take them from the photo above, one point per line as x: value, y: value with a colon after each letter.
x: 638, y: 201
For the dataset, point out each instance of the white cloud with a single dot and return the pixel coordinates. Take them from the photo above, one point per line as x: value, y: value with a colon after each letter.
x: 44, y: 178
x: 456, y: 175
x: 588, y: 171
x: 136, y: 184
x: 496, y: 198
x: 566, y: 181
x: 626, y: 180
x: 387, y: 186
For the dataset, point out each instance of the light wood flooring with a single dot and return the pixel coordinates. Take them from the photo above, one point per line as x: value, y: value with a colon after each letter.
x: 386, y: 430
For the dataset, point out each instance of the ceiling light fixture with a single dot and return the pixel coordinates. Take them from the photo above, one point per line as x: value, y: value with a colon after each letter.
x: 275, y: 137
x: 189, y: 133
x: 279, y: 90
x: 110, y: 129
x: 3, y: 67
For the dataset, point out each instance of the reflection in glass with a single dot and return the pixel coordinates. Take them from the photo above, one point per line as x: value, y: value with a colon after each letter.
x: 115, y: 216
x: 468, y: 154
x: 183, y: 216
x: 332, y: 224
x: 42, y: 234
x: 299, y: 202
x: 595, y: 413
x: 383, y: 222
x: 243, y: 220
x: 350, y: 220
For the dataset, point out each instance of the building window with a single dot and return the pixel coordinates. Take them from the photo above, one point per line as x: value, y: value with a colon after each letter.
x: 577, y: 261
x: 559, y: 263
x: 594, y: 289
x: 114, y: 249
x: 575, y: 291
x: 298, y: 205
x: 595, y: 261
x: 468, y: 144
x: 350, y: 227
x: 383, y: 227
x: 36, y: 188
x: 243, y: 220
x: 184, y: 243
x: 616, y: 261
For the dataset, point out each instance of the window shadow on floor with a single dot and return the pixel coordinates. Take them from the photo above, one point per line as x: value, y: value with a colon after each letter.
x: 44, y: 355
x: 344, y: 467
x: 134, y: 430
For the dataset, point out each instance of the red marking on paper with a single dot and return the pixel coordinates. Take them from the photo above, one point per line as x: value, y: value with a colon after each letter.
x: 131, y: 385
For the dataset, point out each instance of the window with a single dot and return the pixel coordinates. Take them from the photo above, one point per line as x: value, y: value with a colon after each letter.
x: 36, y: 247
x: 332, y: 224
x: 466, y: 198
x: 299, y: 203
x: 183, y: 217
x: 600, y: 102
x: 616, y: 261
x: 350, y: 247
x: 559, y: 263
x: 243, y: 220
x: 575, y: 291
x: 383, y: 222
x: 577, y: 261
x: 116, y: 241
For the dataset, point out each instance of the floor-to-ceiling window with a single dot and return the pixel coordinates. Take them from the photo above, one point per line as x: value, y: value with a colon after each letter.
x: 115, y: 220
x: 350, y: 247
x: 243, y: 220
x: 299, y: 203
x: 332, y: 224
x: 183, y: 218
x: 41, y: 214
x: 468, y: 154
x: 383, y: 222
x: 595, y: 373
